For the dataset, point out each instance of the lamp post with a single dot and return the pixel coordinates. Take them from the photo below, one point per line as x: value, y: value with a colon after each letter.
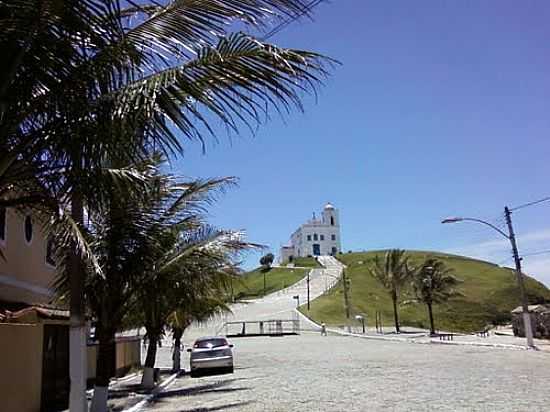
x: 362, y: 320
x: 308, y: 273
x: 347, y: 305
x: 297, y: 297
x: 346, y: 283
x: 512, y: 238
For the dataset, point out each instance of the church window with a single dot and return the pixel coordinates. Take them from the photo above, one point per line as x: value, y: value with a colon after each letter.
x: 50, y: 251
x: 332, y: 220
x: 28, y: 229
x: 2, y: 223
x: 322, y: 237
x: 333, y: 237
x: 309, y: 238
x: 315, y: 237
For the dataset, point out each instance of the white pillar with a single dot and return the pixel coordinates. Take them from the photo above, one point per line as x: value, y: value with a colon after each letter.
x: 99, y: 400
x: 78, y: 367
x: 528, y: 329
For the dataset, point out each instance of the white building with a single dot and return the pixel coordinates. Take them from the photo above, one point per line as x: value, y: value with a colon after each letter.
x: 315, y: 237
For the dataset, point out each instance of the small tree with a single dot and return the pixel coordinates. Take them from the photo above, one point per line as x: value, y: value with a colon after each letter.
x: 392, y: 272
x: 434, y: 283
x: 200, y: 309
x: 267, y: 260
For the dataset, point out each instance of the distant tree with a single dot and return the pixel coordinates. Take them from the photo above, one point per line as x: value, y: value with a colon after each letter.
x: 393, y: 273
x: 267, y: 260
x: 434, y: 283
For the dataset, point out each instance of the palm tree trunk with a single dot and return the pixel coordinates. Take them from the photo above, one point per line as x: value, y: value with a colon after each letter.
x: 395, y: 314
x: 148, y: 378
x: 430, y: 313
x: 77, y: 334
x: 105, y: 368
x: 176, y: 366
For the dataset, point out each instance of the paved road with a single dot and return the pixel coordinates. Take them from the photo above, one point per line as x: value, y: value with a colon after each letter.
x: 279, y: 305
x: 336, y: 373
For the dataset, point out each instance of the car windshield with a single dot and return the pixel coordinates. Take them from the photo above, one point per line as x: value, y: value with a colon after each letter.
x: 210, y: 343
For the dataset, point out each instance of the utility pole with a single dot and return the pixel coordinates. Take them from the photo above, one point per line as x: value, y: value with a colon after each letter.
x: 346, y: 299
x: 308, y: 289
x: 519, y: 274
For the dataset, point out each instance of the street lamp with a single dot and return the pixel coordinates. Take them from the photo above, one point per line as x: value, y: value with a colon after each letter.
x: 297, y: 297
x: 362, y: 320
x: 512, y: 238
x: 308, y: 273
x: 347, y: 306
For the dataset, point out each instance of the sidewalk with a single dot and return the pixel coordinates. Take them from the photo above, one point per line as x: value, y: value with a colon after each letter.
x: 412, y: 335
x: 127, y: 395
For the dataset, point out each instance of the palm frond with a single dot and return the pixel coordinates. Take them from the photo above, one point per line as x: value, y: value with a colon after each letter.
x: 237, y: 81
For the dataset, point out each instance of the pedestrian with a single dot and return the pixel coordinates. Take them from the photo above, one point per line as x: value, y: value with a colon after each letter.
x: 323, y: 329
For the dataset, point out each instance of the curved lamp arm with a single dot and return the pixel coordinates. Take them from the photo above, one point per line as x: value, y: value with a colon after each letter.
x: 472, y: 219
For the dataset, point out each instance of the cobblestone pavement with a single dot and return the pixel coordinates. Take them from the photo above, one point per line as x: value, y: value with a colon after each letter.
x: 337, y: 373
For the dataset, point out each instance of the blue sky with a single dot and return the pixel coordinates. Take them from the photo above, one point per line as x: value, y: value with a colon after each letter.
x: 439, y: 108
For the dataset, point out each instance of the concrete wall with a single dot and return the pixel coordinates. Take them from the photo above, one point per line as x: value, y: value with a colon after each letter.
x: 540, y: 324
x: 128, y: 355
x: 21, y: 347
x: 24, y: 275
x: 20, y: 367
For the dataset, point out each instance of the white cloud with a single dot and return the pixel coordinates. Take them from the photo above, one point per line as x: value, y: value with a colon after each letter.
x: 499, y: 251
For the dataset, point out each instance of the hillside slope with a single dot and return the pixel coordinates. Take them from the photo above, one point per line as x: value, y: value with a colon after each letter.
x: 251, y: 284
x: 490, y: 292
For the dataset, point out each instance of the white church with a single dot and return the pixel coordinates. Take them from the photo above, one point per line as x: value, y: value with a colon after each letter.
x: 315, y: 237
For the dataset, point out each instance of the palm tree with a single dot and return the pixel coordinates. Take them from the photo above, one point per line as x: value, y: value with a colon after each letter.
x: 90, y: 82
x: 191, y: 274
x: 198, y: 309
x: 128, y: 236
x: 393, y: 273
x: 434, y: 283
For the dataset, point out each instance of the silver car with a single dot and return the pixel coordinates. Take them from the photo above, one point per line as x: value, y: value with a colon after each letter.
x: 211, y: 354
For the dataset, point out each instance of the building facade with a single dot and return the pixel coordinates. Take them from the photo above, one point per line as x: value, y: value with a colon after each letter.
x: 27, y: 268
x: 316, y: 237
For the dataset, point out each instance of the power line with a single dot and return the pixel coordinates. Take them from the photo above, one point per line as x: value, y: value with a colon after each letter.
x: 536, y: 202
x: 541, y: 252
x: 286, y: 22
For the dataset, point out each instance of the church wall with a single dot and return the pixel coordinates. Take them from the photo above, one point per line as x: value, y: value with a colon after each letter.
x: 301, y: 246
x: 326, y: 231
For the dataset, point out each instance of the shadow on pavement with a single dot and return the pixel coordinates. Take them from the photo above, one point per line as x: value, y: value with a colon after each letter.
x: 216, y: 408
x: 216, y: 387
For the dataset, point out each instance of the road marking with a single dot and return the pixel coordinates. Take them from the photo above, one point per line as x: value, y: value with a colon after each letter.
x: 149, y: 398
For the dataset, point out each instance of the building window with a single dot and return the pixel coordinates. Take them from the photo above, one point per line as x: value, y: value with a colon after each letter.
x: 309, y: 238
x: 334, y: 251
x: 50, y: 251
x: 28, y: 229
x: 315, y: 237
x: 332, y: 220
x: 2, y: 223
x: 322, y: 237
x: 333, y: 237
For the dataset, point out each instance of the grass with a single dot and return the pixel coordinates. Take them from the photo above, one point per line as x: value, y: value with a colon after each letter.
x: 490, y: 292
x: 251, y: 285
x: 306, y: 262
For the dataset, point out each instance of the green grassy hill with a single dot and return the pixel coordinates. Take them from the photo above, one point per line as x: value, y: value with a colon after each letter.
x: 306, y: 262
x: 251, y: 284
x: 490, y: 292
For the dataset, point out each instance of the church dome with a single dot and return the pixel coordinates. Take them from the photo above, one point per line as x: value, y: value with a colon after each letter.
x: 329, y: 206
